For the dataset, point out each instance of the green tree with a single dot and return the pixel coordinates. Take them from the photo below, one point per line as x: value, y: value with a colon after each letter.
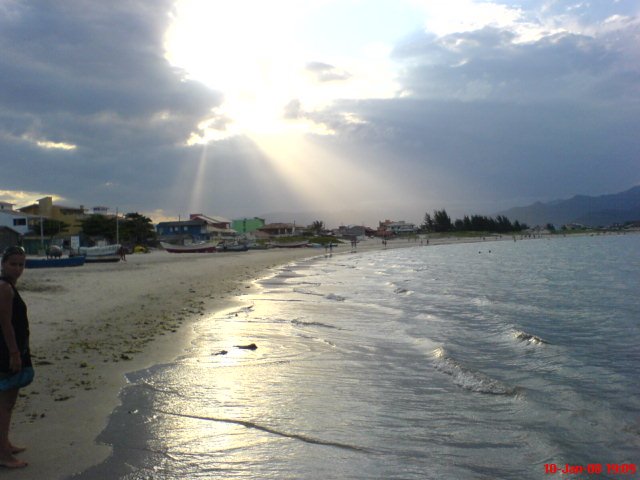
x: 442, y: 221
x: 52, y: 227
x: 99, y: 226
x: 133, y: 228
x: 317, y: 227
x: 136, y: 228
x: 427, y: 224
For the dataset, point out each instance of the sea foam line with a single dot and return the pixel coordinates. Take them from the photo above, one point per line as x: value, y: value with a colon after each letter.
x: 262, y: 428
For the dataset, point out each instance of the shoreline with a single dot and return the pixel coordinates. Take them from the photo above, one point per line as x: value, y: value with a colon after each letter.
x: 92, y: 325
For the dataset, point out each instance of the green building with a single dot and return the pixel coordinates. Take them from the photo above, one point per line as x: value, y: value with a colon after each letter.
x: 247, y: 225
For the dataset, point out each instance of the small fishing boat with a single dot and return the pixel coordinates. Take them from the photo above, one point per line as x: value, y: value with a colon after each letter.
x: 234, y: 247
x: 202, y: 247
x: 55, y: 262
x: 106, y: 253
x: 290, y: 245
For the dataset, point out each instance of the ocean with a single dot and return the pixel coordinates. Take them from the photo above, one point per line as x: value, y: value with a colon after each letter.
x: 489, y: 360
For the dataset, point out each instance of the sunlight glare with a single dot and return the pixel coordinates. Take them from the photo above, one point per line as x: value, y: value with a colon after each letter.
x: 257, y: 56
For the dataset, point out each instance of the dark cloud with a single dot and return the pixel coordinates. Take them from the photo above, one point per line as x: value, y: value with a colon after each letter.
x: 485, y: 121
x: 489, y: 64
x: 92, y: 74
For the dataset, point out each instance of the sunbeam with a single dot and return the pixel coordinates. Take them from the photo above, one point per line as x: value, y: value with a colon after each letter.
x: 199, y: 179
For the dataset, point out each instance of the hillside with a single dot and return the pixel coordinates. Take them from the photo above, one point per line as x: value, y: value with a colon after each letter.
x: 603, y: 210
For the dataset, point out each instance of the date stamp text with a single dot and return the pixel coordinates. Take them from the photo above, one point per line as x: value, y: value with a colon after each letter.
x: 591, y: 468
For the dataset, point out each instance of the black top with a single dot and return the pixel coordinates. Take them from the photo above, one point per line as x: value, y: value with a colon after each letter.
x: 20, y: 324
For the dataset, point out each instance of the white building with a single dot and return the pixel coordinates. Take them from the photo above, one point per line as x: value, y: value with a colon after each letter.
x: 14, y: 220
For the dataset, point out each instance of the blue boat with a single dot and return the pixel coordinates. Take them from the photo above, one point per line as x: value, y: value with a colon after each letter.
x: 55, y: 262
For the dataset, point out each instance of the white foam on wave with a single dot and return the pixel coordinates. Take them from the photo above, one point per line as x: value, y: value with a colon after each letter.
x: 528, y: 338
x: 468, y: 379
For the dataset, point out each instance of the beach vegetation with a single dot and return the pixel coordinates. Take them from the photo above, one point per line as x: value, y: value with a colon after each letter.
x: 137, y: 229
x: 99, y: 226
x: 133, y: 228
x: 51, y: 227
x: 440, y: 221
x: 317, y: 227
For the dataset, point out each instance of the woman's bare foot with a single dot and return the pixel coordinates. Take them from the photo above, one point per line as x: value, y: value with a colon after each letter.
x: 15, y: 449
x: 12, y: 462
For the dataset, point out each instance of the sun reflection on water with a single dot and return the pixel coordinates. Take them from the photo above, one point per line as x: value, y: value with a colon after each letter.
x: 225, y: 402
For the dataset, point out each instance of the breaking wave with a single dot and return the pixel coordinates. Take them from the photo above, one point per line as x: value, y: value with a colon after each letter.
x: 468, y: 379
x: 528, y: 338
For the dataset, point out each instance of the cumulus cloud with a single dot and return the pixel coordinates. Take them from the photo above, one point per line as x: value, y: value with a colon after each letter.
x: 324, y: 72
x: 489, y: 64
x: 293, y: 110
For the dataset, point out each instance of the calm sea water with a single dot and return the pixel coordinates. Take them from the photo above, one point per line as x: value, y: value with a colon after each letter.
x: 484, y: 360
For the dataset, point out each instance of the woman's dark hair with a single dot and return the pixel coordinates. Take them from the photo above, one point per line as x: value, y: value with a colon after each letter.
x: 11, y: 251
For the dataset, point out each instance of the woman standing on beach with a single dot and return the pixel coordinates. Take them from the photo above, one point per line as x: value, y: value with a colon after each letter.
x: 15, y: 359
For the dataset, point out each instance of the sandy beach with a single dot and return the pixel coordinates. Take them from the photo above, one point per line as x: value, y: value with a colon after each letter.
x: 91, y: 325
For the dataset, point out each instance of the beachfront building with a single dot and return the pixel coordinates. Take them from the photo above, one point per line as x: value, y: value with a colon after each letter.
x: 351, y: 232
x: 100, y: 210
x: 71, y: 216
x: 246, y: 226
x: 19, y: 222
x: 199, y: 228
x: 18, y: 228
x: 277, y: 230
x: 390, y: 228
x: 13, y: 225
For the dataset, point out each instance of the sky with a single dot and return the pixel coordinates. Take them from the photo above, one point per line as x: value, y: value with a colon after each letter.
x: 344, y: 111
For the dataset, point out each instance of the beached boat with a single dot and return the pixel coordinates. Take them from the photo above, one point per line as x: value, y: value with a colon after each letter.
x: 258, y: 246
x: 55, y: 262
x: 202, y: 247
x: 290, y: 245
x: 236, y: 247
x: 106, y: 253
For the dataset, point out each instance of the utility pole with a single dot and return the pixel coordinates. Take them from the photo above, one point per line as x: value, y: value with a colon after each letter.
x: 117, y: 228
x: 41, y: 232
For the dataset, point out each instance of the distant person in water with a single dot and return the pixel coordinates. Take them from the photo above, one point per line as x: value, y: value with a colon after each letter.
x: 15, y: 358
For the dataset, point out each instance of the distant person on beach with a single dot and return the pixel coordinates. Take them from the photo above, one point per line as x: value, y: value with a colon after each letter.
x: 123, y: 253
x: 15, y: 359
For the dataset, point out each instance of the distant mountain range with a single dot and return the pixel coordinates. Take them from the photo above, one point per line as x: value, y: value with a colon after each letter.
x: 604, y: 210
